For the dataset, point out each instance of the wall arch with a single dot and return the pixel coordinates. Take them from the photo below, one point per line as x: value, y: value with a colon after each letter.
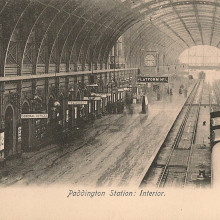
x: 25, y: 127
x: 9, y: 130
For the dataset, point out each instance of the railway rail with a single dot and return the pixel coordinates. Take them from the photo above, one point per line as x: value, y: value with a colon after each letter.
x: 171, y: 164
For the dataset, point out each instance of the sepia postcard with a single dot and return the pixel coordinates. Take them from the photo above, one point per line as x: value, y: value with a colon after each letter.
x: 109, y: 109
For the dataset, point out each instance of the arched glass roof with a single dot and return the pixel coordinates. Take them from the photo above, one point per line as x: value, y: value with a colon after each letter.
x: 202, y: 55
x: 89, y: 28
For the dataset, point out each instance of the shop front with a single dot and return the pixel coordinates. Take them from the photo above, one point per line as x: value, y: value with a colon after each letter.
x: 32, y: 131
x: 120, y: 101
x: 128, y: 96
x: 117, y: 101
x: 39, y: 126
x: 9, y: 132
x: 24, y: 130
x: 94, y: 107
x: 70, y: 111
x: 80, y: 108
x: 55, y: 115
x: 103, y: 102
x: 114, y: 101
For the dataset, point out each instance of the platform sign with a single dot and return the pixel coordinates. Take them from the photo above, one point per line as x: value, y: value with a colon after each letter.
x: 141, y: 83
x: 153, y: 79
x: 95, y: 98
x: 120, y: 90
x: 33, y: 116
x: 102, y: 95
x: 126, y: 89
x: 2, y: 140
x: 82, y: 102
x: 92, y: 85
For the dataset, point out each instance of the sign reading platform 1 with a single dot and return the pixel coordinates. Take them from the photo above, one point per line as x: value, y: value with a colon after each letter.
x: 153, y: 79
x: 26, y: 116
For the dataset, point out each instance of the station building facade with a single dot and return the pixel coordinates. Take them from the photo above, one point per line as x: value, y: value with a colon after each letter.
x: 68, y: 59
x: 69, y: 99
x: 68, y: 94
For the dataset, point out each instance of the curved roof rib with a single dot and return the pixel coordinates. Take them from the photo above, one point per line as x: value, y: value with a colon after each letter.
x: 71, y: 31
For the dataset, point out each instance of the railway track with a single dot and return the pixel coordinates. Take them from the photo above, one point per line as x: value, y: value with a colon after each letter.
x: 171, y: 164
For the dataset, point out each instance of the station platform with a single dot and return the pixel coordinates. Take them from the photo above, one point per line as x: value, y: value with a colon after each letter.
x: 115, y: 150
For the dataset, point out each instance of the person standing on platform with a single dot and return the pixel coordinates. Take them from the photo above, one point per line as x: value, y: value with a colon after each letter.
x: 109, y: 107
x: 143, y: 105
x: 171, y: 91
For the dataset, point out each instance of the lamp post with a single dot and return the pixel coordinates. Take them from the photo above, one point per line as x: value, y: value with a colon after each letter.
x: 141, y: 55
x: 55, y: 111
x: 92, y: 66
x: 57, y: 106
x: 71, y: 91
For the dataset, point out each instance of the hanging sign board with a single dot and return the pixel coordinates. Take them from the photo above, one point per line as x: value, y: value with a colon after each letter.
x: 82, y: 102
x: 2, y: 140
x: 102, y: 95
x: 92, y: 85
x: 126, y: 89
x: 93, y: 98
x: 153, y: 79
x: 27, y: 116
x: 141, y: 83
x: 120, y: 90
x: 114, y: 90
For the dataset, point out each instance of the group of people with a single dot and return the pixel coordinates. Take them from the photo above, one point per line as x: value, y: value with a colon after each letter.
x: 181, y: 90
